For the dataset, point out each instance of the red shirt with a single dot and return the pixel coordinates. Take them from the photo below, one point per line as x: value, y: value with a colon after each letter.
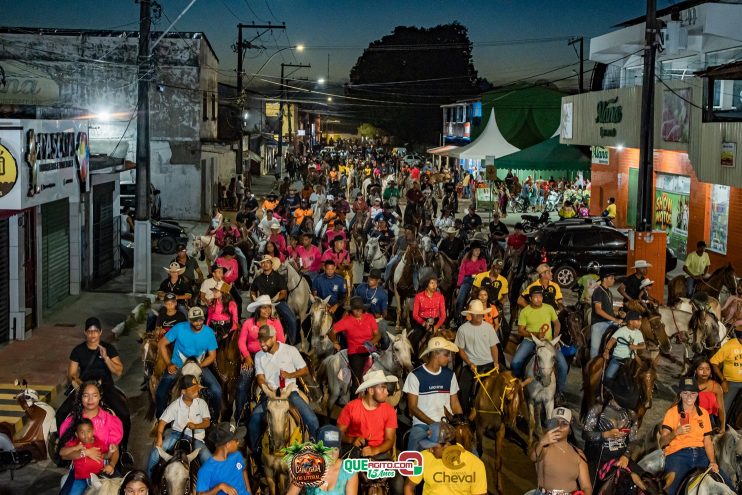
x: 517, y: 241
x: 426, y: 307
x: 86, y: 466
x: 415, y: 173
x: 357, y: 331
x: 367, y: 424
x: 231, y: 269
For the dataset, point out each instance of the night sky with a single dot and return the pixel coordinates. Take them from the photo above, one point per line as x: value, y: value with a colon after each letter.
x: 343, y: 28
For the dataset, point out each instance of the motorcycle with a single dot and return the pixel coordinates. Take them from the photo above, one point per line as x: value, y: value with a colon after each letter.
x: 553, y: 201
x: 533, y: 222
x: 518, y: 204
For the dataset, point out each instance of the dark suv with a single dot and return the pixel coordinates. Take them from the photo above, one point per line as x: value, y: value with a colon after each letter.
x: 569, y: 248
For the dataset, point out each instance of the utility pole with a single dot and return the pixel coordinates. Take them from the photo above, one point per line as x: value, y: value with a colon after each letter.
x: 142, y: 236
x: 280, y: 114
x: 646, y: 139
x: 241, y: 99
x: 328, y: 69
x: 581, y: 41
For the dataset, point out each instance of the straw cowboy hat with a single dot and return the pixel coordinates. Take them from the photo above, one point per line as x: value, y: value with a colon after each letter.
x: 450, y: 230
x: 275, y: 262
x: 174, y: 267
x: 646, y: 283
x: 264, y: 300
x: 475, y: 308
x: 642, y: 264
x: 373, y: 378
x: 439, y: 344
x: 222, y: 287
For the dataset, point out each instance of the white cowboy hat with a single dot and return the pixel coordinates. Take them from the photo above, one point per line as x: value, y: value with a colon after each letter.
x: 174, y: 267
x: 475, y: 308
x: 275, y: 226
x: 373, y: 378
x: 439, y: 344
x: 646, y: 283
x: 450, y: 230
x: 275, y: 262
x: 264, y: 300
x: 642, y: 264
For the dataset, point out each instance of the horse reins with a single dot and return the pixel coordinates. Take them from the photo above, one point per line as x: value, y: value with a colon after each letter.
x: 498, y: 410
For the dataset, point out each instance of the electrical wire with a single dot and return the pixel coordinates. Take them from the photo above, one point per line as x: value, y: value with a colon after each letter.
x: 252, y: 11
x: 271, y: 11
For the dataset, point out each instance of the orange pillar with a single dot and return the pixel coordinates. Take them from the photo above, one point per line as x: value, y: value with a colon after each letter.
x: 651, y: 247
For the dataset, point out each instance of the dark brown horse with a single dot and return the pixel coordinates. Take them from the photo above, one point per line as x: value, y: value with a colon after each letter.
x: 721, y: 277
x: 402, y: 280
x: 227, y: 366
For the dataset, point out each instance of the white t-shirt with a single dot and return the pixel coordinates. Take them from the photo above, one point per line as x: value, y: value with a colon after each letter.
x: 179, y: 414
x: 433, y: 390
x: 265, y: 225
x: 477, y: 341
x: 206, y: 287
x: 621, y: 350
x: 286, y: 358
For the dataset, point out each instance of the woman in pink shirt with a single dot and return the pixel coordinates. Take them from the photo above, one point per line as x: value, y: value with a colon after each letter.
x: 222, y: 312
x: 472, y: 264
x: 262, y: 309
x: 272, y: 249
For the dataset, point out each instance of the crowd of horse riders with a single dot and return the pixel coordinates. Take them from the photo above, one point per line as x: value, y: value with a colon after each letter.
x: 347, y: 307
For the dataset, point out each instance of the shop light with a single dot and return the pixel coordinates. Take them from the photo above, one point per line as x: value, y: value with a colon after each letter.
x: 619, y: 147
x: 104, y: 116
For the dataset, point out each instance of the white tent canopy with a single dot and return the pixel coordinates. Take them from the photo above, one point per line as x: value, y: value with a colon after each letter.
x: 489, y: 143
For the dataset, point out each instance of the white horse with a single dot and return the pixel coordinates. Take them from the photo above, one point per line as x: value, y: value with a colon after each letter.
x: 176, y: 474
x: 677, y: 323
x: 540, y: 392
x: 374, y: 255
x: 207, y: 245
x: 299, y: 293
x: 321, y: 346
x: 103, y: 486
x: 728, y: 448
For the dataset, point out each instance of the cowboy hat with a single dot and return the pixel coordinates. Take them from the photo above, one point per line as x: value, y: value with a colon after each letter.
x: 373, y: 378
x: 175, y: 267
x: 439, y: 344
x: 475, y: 308
x: 642, y: 264
x: 646, y: 283
x: 450, y: 230
x: 275, y: 226
x: 275, y: 262
x: 264, y: 300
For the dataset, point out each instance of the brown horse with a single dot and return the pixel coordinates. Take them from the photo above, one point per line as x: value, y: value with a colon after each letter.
x: 447, y: 271
x: 402, y: 280
x: 721, y: 277
x: 572, y: 319
x: 227, y: 367
x: 498, y: 403
x: 642, y: 372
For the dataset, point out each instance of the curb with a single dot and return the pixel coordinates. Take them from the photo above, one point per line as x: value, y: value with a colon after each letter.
x: 136, y: 316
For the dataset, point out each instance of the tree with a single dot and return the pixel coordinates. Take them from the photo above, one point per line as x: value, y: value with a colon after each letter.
x: 408, y: 74
x: 368, y: 130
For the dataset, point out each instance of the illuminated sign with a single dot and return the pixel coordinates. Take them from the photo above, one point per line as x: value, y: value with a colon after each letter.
x: 50, y: 151
x: 8, y: 171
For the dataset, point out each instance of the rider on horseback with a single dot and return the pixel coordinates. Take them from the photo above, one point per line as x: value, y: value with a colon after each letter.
x: 374, y: 297
x: 477, y: 342
x: 696, y: 267
x: 276, y: 366
x: 627, y: 340
x: 271, y: 283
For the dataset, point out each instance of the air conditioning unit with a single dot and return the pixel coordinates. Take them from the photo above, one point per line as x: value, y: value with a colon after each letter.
x: 675, y: 37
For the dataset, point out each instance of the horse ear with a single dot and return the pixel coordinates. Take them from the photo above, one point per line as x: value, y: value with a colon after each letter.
x: 639, y: 482
x: 95, y: 481
x: 193, y: 455
x: 556, y: 340
x: 326, y: 300
x: 537, y: 341
x: 404, y: 333
x: 447, y: 413
x: 669, y: 478
x: 164, y: 455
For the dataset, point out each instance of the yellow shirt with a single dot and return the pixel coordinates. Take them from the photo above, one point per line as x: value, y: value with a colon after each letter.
x: 700, y: 426
x: 611, y: 209
x: 469, y: 479
x: 565, y: 213
x: 536, y: 319
x: 553, y: 290
x: 500, y: 283
x: 730, y: 358
x: 697, y: 264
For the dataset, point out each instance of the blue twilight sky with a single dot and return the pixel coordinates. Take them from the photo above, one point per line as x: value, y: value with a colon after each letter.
x: 343, y: 28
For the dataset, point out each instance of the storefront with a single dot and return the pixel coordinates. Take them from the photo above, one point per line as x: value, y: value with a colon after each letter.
x: 43, y: 176
x: 4, y: 281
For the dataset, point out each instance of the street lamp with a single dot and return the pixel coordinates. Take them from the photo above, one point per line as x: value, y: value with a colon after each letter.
x: 329, y: 99
x: 321, y: 80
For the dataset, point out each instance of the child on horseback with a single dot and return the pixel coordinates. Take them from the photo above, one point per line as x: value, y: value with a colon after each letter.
x: 624, y: 343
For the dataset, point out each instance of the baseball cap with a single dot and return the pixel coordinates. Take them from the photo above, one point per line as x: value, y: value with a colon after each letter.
x: 562, y: 413
x: 224, y: 433
x: 375, y: 273
x: 536, y: 289
x: 188, y: 381
x: 329, y: 435
x: 170, y: 297
x: 688, y: 385
x: 195, y: 313
x: 633, y: 315
x: 266, y: 332
x: 438, y: 434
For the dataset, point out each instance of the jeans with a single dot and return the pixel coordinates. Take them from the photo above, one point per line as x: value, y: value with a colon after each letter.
x: 467, y: 384
x: 523, y: 353
x: 683, y: 461
x: 255, y: 426
x: 417, y: 432
x: 77, y: 487
x: 611, y: 369
x: 463, y: 295
x: 244, y: 392
x: 390, y: 265
x: 288, y: 319
x: 385, y: 341
x: 596, y: 335
x: 169, y: 439
x: 356, y: 362
x: 690, y: 286
x: 207, y: 379
x: 734, y: 389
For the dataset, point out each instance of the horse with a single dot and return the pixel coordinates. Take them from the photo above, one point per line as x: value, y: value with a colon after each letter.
x: 346, y: 271
x: 446, y: 270
x: 704, y: 332
x: 620, y: 482
x: 190, y: 367
x: 728, y: 448
x: 205, y: 246
x: 227, y: 366
x: 541, y: 390
x: 320, y: 344
x: 403, y: 279
x: 497, y: 405
x: 573, y: 321
x: 704, y: 482
x: 103, y: 486
x: 721, y: 277
x: 175, y: 476
x: 374, y: 255
x: 463, y: 427
x: 299, y: 293
x: 283, y: 425
x: 713, y: 305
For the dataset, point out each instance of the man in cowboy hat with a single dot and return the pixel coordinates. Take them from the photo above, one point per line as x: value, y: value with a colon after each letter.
x: 369, y: 422
x: 225, y: 471
x: 552, y: 293
x: 630, y: 288
x: 177, y: 284
x: 188, y: 417
x: 477, y: 342
x: 696, y: 267
x: 451, y: 245
x: 269, y: 282
x: 603, y: 316
x: 192, y: 339
x: 431, y: 389
x: 470, y: 473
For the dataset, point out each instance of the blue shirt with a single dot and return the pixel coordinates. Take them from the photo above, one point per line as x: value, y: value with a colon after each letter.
x: 376, y: 299
x: 228, y: 471
x: 189, y: 343
x: 333, y: 287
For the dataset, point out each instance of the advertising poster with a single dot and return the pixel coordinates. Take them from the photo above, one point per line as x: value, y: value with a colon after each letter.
x: 676, y: 115
x: 671, y: 209
x: 719, y: 218
x: 728, y: 154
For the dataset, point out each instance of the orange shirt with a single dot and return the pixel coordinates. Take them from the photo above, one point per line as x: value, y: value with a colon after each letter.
x: 489, y: 317
x: 270, y: 205
x: 300, y: 213
x: 700, y: 426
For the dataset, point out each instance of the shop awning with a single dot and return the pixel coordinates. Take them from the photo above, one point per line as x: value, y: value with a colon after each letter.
x: 251, y: 155
x: 548, y: 155
x: 489, y: 143
x: 442, y: 150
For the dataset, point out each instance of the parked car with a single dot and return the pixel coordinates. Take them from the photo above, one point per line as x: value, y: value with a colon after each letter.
x: 412, y: 160
x: 165, y: 239
x: 128, y: 197
x: 569, y: 247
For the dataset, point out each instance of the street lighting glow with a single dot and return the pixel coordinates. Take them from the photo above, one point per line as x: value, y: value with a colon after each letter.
x: 619, y: 147
x: 104, y: 116
x: 299, y: 48
x: 321, y: 80
x: 329, y: 98
x: 246, y: 115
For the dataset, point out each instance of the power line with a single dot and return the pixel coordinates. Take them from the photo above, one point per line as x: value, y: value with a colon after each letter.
x: 270, y: 10
x: 252, y: 11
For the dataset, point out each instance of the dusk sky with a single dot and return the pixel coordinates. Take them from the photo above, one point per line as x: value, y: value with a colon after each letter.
x: 343, y: 28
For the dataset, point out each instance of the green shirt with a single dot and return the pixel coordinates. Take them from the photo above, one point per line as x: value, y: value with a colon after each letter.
x: 535, y: 319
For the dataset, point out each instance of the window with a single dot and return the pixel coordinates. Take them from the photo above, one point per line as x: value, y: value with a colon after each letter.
x: 205, y: 106
x: 587, y: 239
x: 726, y: 104
x: 213, y: 106
x: 613, y: 240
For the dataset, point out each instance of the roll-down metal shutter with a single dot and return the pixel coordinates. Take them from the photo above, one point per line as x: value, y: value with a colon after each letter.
x: 103, y: 233
x: 4, y: 281
x: 55, y: 231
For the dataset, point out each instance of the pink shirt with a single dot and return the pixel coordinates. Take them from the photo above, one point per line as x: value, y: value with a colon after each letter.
x: 340, y: 258
x: 248, y: 341
x: 280, y: 241
x: 311, y: 258
x: 217, y: 312
x: 470, y: 268
x: 331, y: 235
x: 231, y: 269
x: 106, y: 427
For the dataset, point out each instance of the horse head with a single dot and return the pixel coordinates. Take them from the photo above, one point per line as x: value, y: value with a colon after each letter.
x: 545, y: 359
x: 729, y: 279
x: 402, y: 349
x: 462, y: 426
x: 278, y: 417
x: 426, y: 244
x: 104, y: 486
x: 191, y: 366
x: 653, y: 484
x: 176, y: 476
x: 656, y: 332
x: 645, y: 375
x: 321, y: 318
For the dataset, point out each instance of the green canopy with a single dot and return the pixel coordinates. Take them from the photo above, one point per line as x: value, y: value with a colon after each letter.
x: 548, y: 155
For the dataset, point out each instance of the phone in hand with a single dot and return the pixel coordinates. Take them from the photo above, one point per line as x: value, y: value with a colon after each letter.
x: 684, y: 419
x: 551, y: 424
x: 625, y: 430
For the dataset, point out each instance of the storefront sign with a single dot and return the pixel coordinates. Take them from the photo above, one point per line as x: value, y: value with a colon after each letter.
x: 491, y: 173
x: 47, y: 152
x: 27, y: 85
x: 600, y: 155
x: 719, y: 218
x: 671, y: 210
x: 609, y: 113
x: 728, y: 154
x: 8, y: 171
